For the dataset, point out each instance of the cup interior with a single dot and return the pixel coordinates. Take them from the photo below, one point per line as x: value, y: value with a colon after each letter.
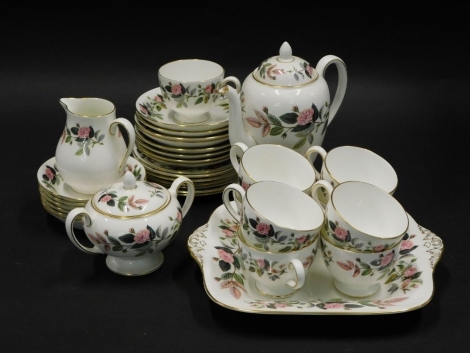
x: 190, y: 70
x: 278, y: 163
x: 284, y: 205
x: 369, y: 209
x: 346, y: 163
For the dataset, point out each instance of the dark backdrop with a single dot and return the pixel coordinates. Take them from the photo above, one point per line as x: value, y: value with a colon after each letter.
x: 407, y: 99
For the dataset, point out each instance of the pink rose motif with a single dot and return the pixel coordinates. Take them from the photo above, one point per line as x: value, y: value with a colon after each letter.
x: 228, y: 233
x: 84, y: 132
x: 142, y: 236
x: 406, y: 244
x: 179, y: 216
x: 245, y: 185
x: 410, y: 272
x: 341, y: 233
x: 379, y: 248
x: 405, y: 283
x: 261, y: 263
x: 305, y: 116
x: 280, y: 305
x: 263, y: 228
x: 49, y: 174
x: 157, y: 99
x: 302, y: 239
x: 176, y: 90
x: 105, y: 198
x: 225, y: 256
x: 334, y: 305
x: 387, y: 259
x: 208, y: 89
x: 309, y: 69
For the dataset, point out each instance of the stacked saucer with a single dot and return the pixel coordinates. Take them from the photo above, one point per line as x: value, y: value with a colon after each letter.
x: 169, y: 149
x: 58, y: 198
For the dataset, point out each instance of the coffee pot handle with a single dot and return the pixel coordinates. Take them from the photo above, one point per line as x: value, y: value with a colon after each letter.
x: 69, y: 221
x: 131, y: 135
x: 321, y: 68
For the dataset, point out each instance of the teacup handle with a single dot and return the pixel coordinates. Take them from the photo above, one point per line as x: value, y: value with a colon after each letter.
x: 71, y: 216
x: 188, y: 201
x: 233, y: 80
x: 299, y: 269
x: 322, y: 152
x: 232, y: 188
x: 131, y: 135
x: 324, y: 184
x: 236, y: 152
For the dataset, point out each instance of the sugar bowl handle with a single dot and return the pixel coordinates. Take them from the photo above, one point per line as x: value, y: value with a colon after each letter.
x: 71, y: 217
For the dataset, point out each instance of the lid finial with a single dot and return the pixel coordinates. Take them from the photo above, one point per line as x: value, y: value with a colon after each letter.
x: 285, y: 53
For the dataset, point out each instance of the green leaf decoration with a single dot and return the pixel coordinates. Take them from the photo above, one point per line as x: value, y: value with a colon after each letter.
x: 224, y: 266
x: 238, y: 278
x: 289, y: 118
x: 276, y: 131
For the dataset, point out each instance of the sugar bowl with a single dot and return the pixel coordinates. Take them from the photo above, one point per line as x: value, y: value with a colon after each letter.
x: 132, y: 222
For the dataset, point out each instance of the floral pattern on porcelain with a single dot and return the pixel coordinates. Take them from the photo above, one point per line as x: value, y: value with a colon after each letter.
x: 135, y: 169
x: 302, y: 124
x: 51, y: 177
x: 358, y: 268
x: 142, y: 242
x: 269, y: 70
x: 404, y: 276
x: 153, y: 106
x: 84, y: 136
x: 181, y: 94
x: 342, y: 238
x: 126, y: 203
x: 268, y: 237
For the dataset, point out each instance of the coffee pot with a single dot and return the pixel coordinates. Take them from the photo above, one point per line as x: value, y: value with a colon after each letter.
x: 285, y: 101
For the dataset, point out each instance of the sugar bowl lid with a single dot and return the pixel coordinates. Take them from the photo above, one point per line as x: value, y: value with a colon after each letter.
x: 285, y: 69
x: 130, y: 198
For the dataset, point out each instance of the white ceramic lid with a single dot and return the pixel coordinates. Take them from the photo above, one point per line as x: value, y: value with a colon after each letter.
x: 130, y: 198
x: 285, y: 69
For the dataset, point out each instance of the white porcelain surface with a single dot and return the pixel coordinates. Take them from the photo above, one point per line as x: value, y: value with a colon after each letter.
x: 151, y: 105
x: 91, y: 153
x: 190, y: 87
x: 215, y: 242
x: 346, y: 163
x: 274, y: 216
x: 277, y: 274
x: 49, y: 178
x: 285, y: 101
x: 362, y: 217
x: 132, y: 222
x: 271, y: 162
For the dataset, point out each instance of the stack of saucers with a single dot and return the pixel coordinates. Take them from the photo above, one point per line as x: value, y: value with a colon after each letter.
x: 58, y: 198
x: 169, y: 149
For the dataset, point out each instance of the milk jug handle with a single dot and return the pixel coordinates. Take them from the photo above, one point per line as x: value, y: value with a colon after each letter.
x: 131, y: 135
x: 321, y: 68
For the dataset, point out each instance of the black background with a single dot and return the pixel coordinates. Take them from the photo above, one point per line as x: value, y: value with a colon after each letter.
x: 407, y: 99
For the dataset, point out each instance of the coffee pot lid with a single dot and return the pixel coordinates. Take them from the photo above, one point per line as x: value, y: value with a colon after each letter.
x: 130, y: 198
x: 285, y: 69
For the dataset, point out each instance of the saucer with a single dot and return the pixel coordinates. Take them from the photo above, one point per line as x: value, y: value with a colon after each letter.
x: 214, y: 247
x: 146, y: 122
x: 176, y: 141
x: 151, y: 105
x: 50, y: 179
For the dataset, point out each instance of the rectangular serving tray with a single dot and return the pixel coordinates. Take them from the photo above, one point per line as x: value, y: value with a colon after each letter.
x: 214, y: 247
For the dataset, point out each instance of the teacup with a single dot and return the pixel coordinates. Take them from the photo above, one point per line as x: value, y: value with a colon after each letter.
x: 362, y: 217
x: 357, y: 274
x: 275, y: 216
x: 271, y: 162
x: 277, y: 275
x: 347, y: 163
x: 190, y: 88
